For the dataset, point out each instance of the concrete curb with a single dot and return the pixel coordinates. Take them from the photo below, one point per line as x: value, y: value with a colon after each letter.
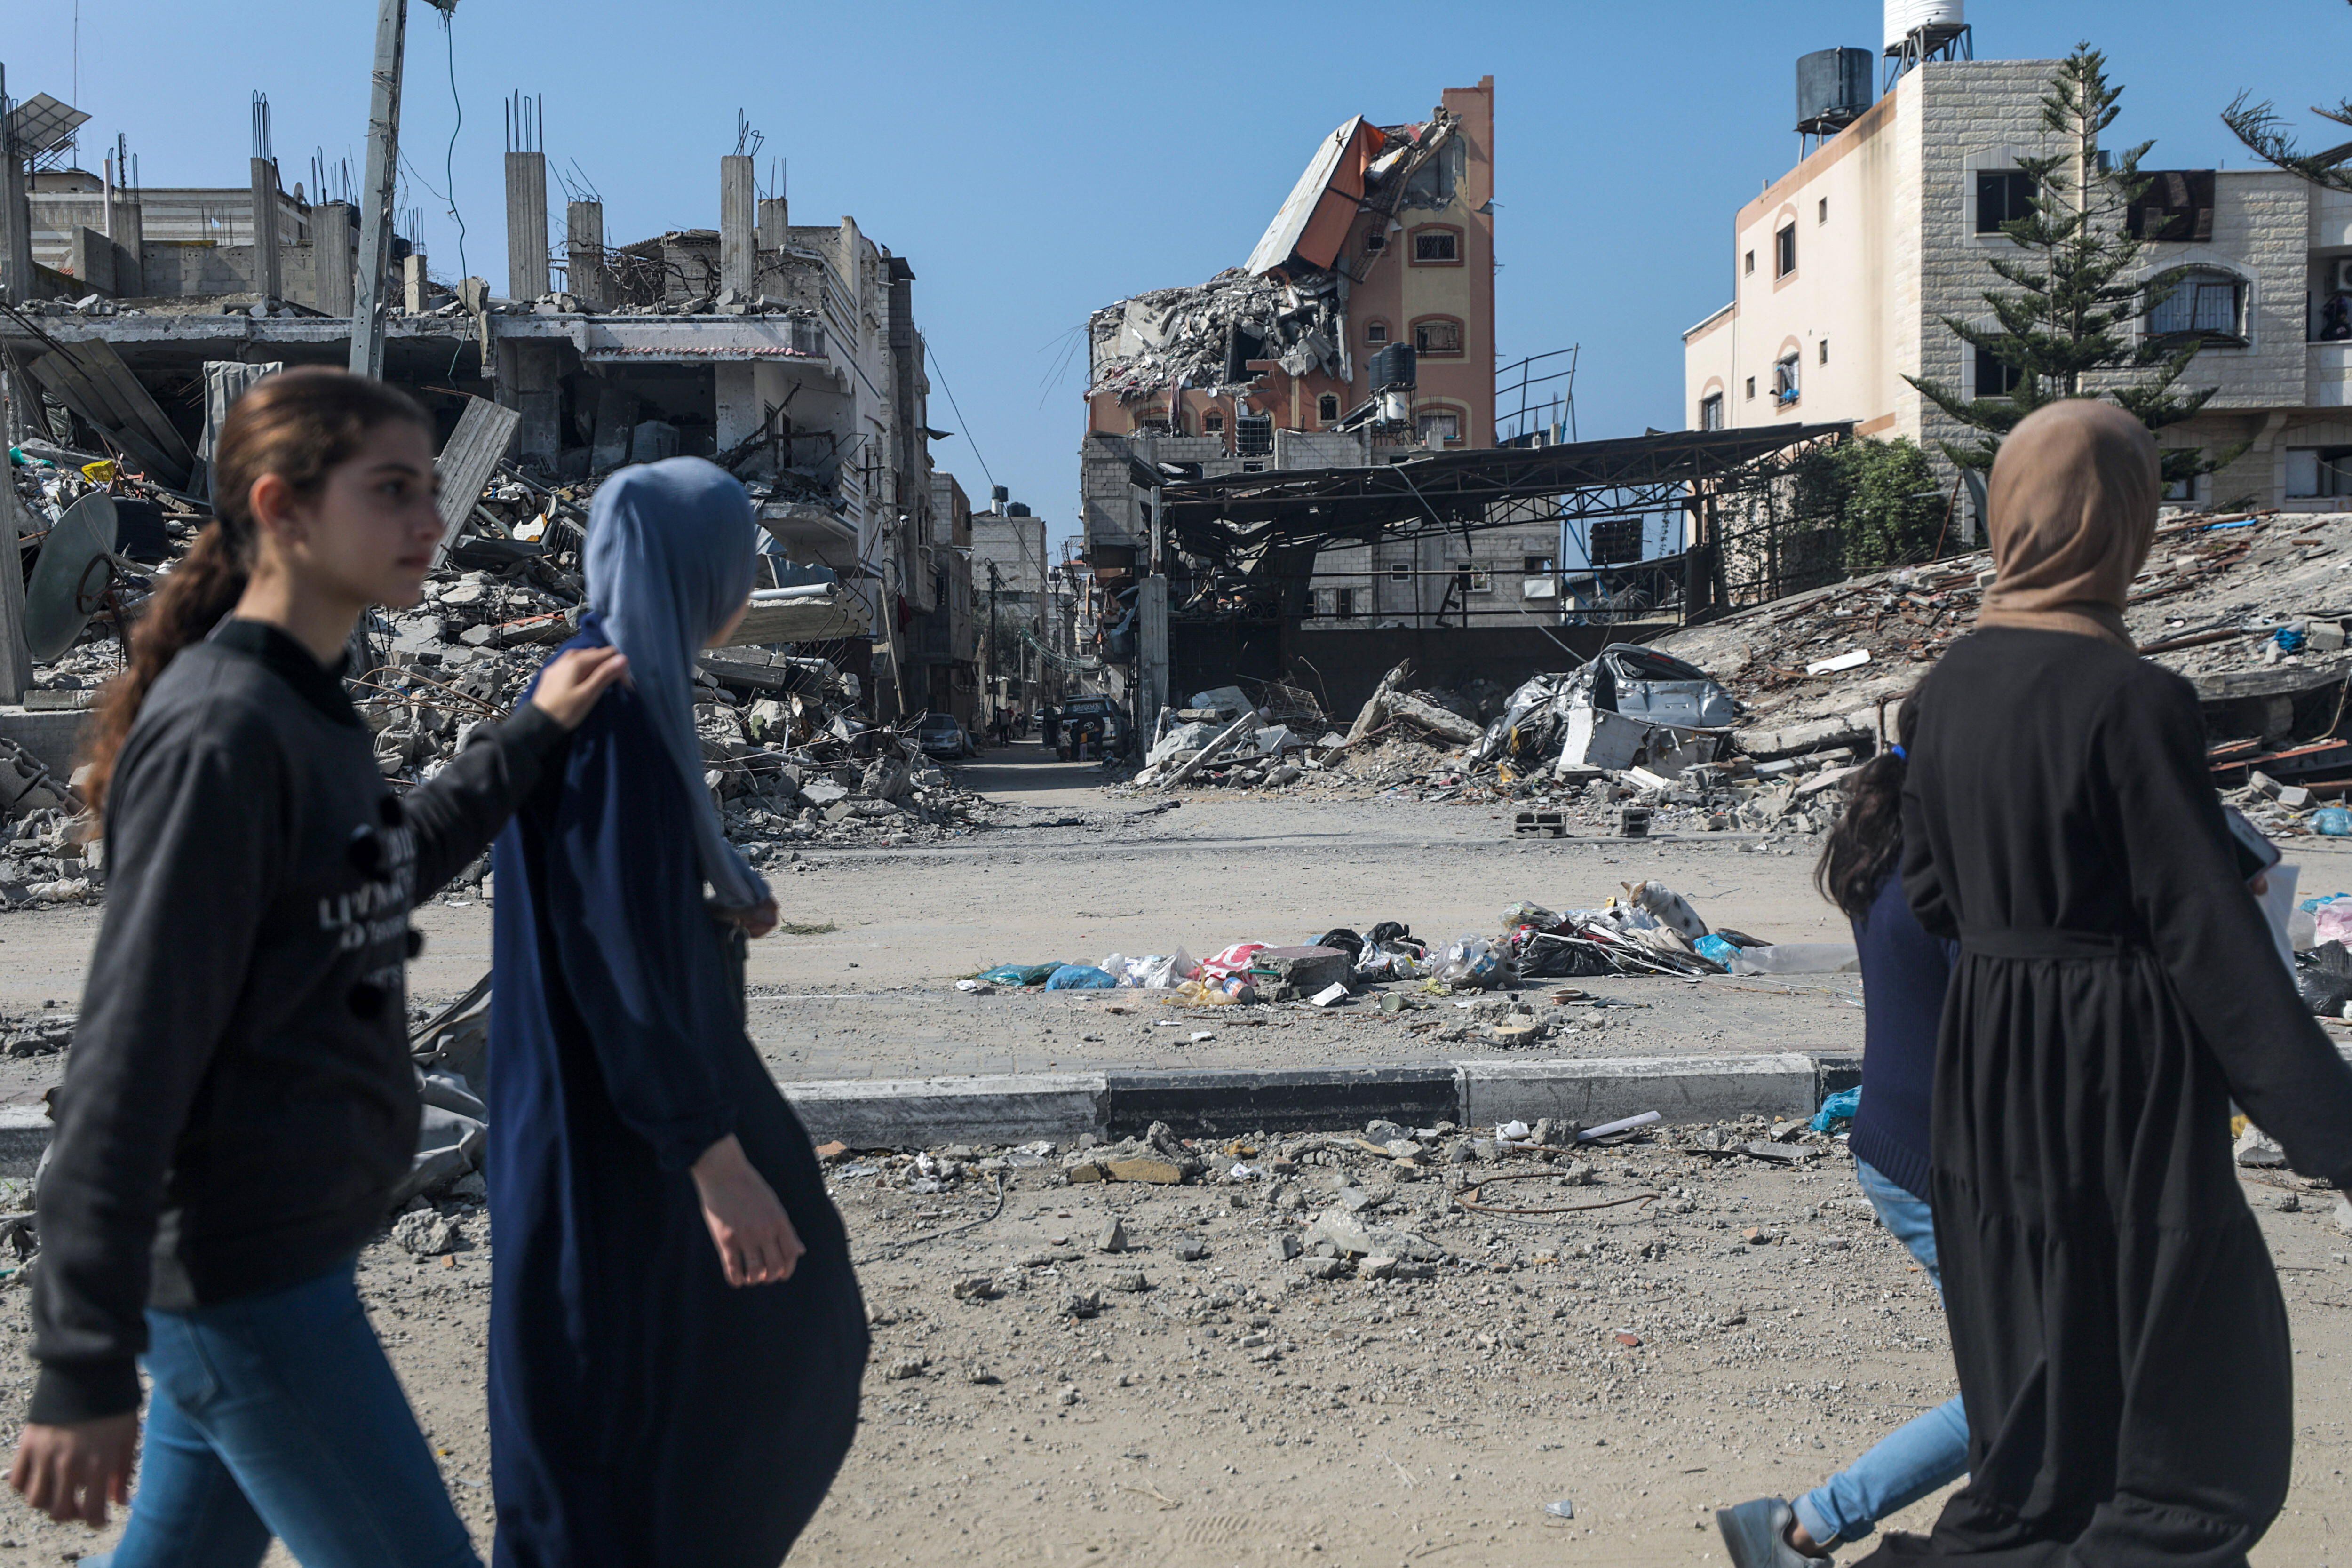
x: 1218, y: 1102
x: 916, y: 1113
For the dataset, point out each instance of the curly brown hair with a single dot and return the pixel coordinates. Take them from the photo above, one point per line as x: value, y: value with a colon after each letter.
x: 299, y: 425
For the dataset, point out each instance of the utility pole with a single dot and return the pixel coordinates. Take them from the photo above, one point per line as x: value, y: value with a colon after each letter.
x: 383, y: 177
x: 995, y: 583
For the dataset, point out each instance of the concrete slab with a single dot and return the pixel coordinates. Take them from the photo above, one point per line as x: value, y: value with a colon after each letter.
x: 23, y: 1136
x: 48, y: 734
x: 1209, y: 1103
x: 1679, y: 1089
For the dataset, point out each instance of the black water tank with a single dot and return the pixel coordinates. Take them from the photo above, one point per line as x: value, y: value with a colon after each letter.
x: 1018, y: 509
x: 1833, y: 86
x: 1393, y: 367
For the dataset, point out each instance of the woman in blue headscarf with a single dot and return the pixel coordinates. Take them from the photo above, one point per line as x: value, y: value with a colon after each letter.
x: 676, y: 1337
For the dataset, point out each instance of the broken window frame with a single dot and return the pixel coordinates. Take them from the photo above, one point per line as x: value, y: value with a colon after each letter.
x: 2203, y: 297
x: 1710, y: 412
x: 2331, y: 470
x: 1376, y: 239
x: 1213, y: 422
x: 1788, y: 380
x: 1426, y: 330
x: 1451, y: 419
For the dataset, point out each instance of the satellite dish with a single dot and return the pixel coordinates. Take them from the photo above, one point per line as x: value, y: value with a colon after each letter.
x: 70, y: 582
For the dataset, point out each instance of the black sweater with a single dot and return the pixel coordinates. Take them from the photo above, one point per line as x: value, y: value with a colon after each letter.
x: 240, y: 1103
x: 1904, y: 973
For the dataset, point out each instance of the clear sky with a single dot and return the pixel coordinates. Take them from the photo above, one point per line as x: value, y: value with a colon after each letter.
x: 1035, y: 160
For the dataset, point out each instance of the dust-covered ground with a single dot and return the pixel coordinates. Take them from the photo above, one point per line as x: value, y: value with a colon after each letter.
x: 1237, y: 1410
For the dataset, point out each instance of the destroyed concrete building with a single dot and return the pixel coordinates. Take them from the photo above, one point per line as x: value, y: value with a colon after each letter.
x: 1846, y: 269
x: 787, y: 353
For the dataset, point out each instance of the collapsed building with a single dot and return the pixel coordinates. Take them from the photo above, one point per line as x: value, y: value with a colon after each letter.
x: 787, y: 353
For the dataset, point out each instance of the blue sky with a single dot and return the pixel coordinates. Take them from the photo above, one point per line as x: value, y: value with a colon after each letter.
x: 1034, y: 159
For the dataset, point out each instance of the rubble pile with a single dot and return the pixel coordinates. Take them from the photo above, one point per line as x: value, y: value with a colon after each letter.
x: 1203, y: 337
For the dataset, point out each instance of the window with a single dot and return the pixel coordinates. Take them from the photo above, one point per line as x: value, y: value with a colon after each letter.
x: 1751, y: 389
x: 1213, y: 422
x: 1152, y: 422
x: 1441, y: 429
x: 1533, y: 565
x: 1400, y: 572
x: 1784, y: 252
x: 2003, y: 195
x: 1470, y: 579
x: 1710, y: 412
x: 1750, y: 267
x: 1824, y: 214
x: 1825, y: 351
x: 2206, y: 302
x: 1252, y: 435
x: 1995, y: 379
x: 2175, y: 204
x: 1784, y: 380
x: 1376, y: 240
x: 1334, y: 604
x: 1436, y: 245
x: 1437, y: 335
x: 1376, y: 332
x: 2319, y: 471
x: 1327, y: 408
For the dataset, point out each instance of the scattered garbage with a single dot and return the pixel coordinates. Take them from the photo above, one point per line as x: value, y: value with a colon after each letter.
x: 1080, y: 977
x: 1839, y: 1107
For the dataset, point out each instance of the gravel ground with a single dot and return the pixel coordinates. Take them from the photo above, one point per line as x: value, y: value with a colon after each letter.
x: 1236, y: 1410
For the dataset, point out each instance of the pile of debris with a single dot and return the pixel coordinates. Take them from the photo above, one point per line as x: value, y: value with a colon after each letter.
x: 1205, y: 337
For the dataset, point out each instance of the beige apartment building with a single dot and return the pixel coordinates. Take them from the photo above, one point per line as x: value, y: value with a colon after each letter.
x: 1845, y: 268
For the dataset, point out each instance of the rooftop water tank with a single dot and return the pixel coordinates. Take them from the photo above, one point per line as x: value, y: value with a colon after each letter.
x: 1834, y: 87
x: 1904, y: 18
x: 1394, y: 366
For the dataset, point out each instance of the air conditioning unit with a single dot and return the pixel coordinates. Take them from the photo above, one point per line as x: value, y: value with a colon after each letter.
x: 2339, y: 275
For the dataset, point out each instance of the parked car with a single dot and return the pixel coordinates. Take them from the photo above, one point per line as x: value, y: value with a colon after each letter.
x: 1095, y: 720
x: 941, y: 735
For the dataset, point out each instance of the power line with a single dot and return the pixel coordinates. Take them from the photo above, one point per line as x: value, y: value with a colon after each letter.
x: 933, y: 356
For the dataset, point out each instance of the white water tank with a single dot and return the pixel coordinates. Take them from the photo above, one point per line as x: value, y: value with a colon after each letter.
x: 1906, y: 16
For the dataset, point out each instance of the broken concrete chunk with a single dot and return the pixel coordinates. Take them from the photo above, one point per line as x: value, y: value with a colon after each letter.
x: 1113, y: 1238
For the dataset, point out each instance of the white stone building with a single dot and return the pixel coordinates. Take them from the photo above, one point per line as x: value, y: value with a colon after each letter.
x: 1845, y: 268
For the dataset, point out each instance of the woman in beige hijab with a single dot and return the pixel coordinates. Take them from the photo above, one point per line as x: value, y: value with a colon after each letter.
x: 2120, y: 1340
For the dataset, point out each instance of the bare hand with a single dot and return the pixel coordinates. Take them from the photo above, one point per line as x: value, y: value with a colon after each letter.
x: 756, y: 1241
x: 757, y: 920
x: 73, y: 1472
x: 568, y: 688
x: 2259, y: 884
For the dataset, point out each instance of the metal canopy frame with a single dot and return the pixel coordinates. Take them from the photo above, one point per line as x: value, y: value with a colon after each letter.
x: 1451, y: 492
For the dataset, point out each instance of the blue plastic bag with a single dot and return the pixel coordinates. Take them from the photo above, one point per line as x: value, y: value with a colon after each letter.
x: 1019, y: 973
x: 1080, y: 977
x: 1839, y: 1107
x: 2289, y: 641
x: 1722, y: 950
x: 2332, y: 820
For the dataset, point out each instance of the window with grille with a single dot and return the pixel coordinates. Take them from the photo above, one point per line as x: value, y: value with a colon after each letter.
x: 1441, y: 429
x: 1213, y: 423
x: 2206, y: 302
x: 1327, y: 408
x: 1436, y: 245
x: 1252, y: 435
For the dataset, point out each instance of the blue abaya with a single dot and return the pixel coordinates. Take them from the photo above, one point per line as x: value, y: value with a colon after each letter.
x: 642, y: 1410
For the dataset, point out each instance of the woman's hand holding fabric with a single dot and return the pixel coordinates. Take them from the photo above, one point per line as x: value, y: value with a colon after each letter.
x: 756, y: 1241
x: 757, y: 920
x: 568, y: 688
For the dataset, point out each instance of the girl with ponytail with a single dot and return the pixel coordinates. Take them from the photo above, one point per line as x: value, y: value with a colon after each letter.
x: 239, y: 1106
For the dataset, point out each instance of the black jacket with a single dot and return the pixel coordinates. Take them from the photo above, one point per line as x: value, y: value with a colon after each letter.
x: 239, y: 1103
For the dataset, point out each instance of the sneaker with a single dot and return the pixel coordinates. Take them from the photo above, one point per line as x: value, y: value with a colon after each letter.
x: 1755, y: 1534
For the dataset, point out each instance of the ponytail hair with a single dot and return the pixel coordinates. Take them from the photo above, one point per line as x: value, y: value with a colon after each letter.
x: 1865, y: 847
x: 301, y: 426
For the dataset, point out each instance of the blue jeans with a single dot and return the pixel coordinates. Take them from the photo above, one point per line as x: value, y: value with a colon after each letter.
x: 1926, y: 1453
x: 278, y: 1415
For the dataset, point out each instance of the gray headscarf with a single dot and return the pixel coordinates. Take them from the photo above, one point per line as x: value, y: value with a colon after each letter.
x: 669, y: 561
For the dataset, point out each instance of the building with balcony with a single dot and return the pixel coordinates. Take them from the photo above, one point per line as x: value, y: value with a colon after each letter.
x: 1844, y: 271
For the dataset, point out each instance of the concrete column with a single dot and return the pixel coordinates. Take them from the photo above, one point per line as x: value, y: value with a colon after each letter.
x: 130, y: 246
x: 412, y: 280
x: 737, y: 403
x: 526, y: 225
x: 528, y: 382
x: 267, y: 281
x: 738, y: 255
x: 775, y: 222
x: 335, y: 264
x: 583, y: 244
x: 15, y: 220
x: 91, y: 258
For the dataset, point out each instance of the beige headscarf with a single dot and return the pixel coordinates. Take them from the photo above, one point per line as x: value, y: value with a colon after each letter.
x: 2073, y: 500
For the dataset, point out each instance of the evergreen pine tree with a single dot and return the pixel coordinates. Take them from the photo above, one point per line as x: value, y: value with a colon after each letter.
x: 2066, y: 327
x: 2258, y: 125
